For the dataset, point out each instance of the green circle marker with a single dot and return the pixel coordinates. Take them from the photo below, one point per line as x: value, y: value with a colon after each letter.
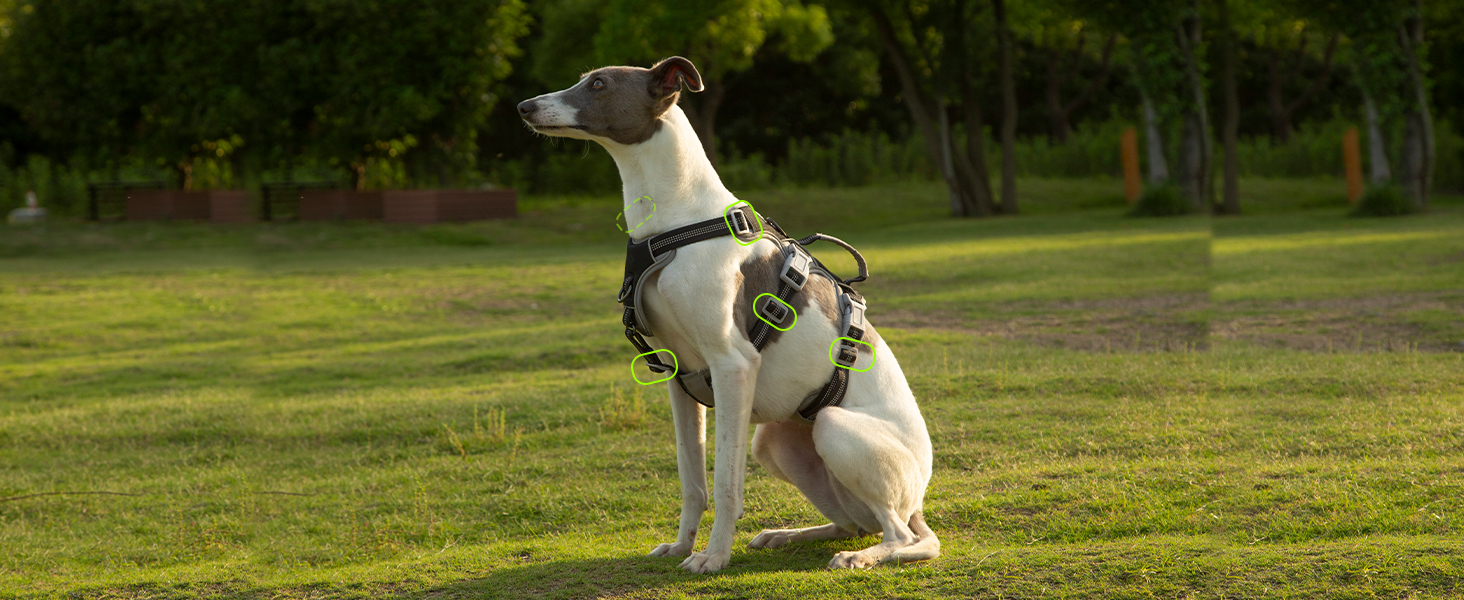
x: 727, y: 219
x: 675, y: 367
x: 780, y: 301
x: 643, y: 221
x: 872, y: 354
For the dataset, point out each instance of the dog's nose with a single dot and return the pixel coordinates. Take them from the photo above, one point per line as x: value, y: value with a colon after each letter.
x: 526, y: 108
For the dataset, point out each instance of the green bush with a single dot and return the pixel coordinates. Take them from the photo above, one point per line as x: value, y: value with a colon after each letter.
x: 1383, y: 201
x: 1315, y: 149
x: 1092, y: 150
x: 742, y: 174
x: 854, y: 158
x: 1161, y: 201
x: 1448, y: 158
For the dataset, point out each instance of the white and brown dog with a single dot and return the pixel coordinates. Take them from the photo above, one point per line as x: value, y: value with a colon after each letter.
x: 865, y: 463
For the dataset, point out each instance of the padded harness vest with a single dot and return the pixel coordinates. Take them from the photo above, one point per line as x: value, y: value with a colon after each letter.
x: 644, y: 258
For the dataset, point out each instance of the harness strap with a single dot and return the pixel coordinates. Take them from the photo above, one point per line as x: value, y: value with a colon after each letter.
x: 831, y: 395
x: 654, y: 253
x: 796, y: 266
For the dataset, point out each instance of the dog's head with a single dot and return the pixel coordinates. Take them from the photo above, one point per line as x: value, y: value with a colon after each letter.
x: 619, y: 104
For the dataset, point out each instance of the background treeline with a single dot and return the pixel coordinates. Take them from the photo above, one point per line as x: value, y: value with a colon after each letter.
x: 392, y: 93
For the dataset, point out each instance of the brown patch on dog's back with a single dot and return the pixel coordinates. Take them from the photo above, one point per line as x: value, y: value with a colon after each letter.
x: 759, y: 276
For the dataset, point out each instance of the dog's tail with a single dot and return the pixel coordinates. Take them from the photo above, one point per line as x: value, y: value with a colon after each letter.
x: 926, y: 545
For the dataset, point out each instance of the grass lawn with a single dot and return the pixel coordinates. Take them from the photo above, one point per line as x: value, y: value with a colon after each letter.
x: 1261, y: 406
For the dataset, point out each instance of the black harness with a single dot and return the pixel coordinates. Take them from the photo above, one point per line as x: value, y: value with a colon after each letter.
x: 649, y: 256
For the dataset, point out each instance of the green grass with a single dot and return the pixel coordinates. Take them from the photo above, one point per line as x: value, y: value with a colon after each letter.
x: 1120, y: 407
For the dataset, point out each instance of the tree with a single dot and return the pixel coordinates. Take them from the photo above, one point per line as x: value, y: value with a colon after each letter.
x: 400, y: 70
x: 1287, y: 40
x: 721, y: 37
x: 1387, y: 61
x: 1231, y: 196
x: 1196, y: 150
x: 930, y: 47
x: 1058, y: 29
x: 1008, y: 111
x: 226, y: 82
x: 1163, y: 57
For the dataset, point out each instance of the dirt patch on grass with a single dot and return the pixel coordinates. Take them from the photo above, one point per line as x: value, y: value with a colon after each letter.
x: 1424, y: 322
x: 1144, y: 324
x: 1431, y: 322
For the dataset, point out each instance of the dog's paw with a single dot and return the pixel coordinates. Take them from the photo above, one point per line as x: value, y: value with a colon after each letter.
x: 706, y: 562
x: 851, y: 560
x: 675, y: 549
x: 772, y: 538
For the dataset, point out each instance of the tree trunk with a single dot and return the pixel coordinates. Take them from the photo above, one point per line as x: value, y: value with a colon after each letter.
x: 1153, y: 142
x: 1377, y: 150
x: 1411, y: 35
x: 1192, y: 161
x: 1411, y: 162
x: 947, y: 162
x: 923, y: 113
x: 1009, y: 113
x: 976, y: 142
x: 703, y: 115
x: 1231, y: 203
x: 970, y: 169
x: 1188, y: 38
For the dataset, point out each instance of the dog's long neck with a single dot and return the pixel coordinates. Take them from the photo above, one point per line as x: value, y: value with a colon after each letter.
x: 668, y: 181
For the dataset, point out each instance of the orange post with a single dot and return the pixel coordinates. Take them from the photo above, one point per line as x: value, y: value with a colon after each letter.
x: 1130, y: 145
x: 1352, y: 159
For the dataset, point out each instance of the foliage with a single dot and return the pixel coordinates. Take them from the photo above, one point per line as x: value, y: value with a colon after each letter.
x: 1383, y: 201
x: 318, y: 80
x: 1152, y: 54
x: 1161, y: 201
x: 1315, y: 150
x: 853, y: 159
x: 1091, y: 151
x: 719, y: 37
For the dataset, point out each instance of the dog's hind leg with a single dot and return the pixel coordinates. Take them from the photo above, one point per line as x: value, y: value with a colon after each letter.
x: 874, y: 464
x: 773, y: 538
x: 786, y: 450
x: 926, y: 547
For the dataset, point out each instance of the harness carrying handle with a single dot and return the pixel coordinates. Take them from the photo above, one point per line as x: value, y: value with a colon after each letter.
x: 858, y: 258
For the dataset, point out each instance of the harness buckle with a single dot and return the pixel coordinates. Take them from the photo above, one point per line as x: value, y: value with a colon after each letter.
x: 848, y: 354
x: 852, y: 311
x: 772, y: 310
x: 740, y: 223
x: 795, y: 268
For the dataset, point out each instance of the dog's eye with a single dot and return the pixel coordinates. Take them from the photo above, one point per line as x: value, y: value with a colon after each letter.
x: 598, y: 84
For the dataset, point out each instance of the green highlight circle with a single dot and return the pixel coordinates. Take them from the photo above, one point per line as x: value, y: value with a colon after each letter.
x: 780, y: 301
x: 872, y: 353
x: 675, y: 367
x: 643, y: 221
x: 728, y: 220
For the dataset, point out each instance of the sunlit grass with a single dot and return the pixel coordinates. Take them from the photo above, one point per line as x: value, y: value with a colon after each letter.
x: 377, y: 412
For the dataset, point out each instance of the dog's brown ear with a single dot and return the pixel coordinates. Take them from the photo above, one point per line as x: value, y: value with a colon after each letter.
x: 668, y: 75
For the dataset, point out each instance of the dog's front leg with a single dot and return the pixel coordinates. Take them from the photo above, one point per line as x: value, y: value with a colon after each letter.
x: 690, y: 419
x: 734, y: 382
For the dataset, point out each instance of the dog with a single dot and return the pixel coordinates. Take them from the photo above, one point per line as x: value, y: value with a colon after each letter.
x: 864, y: 464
